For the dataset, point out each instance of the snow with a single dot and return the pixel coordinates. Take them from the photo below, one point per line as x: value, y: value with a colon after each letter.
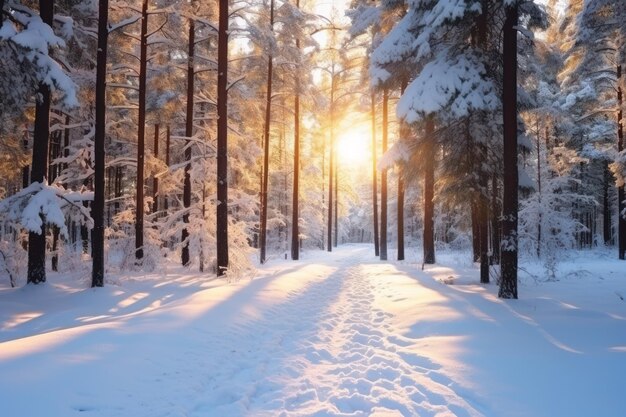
x: 337, y: 334
x: 457, y: 82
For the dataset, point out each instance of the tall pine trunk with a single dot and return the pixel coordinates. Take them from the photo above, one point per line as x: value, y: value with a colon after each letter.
x: 606, y: 206
x: 185, y: 258
x: 495, y: 221
x: 97, y: 207
x: 508, y: 265
x: 403, y: 133
x: 222, y: 141
x: 383, y: 181
x: 141, y: 132
x: 374, y: 179
x: 295, y: 232
x: 37, y: 241
x: 429, y: 192
x: 155, y: 180
x: 621, y: 223
x: 331, y: 168
x: 266, y: 147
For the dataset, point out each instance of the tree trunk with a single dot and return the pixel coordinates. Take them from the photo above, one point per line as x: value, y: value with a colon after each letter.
x: 141, y: 130
x: 295, y: 245
x: 383, y: 182
x: 374, y: 179
x: 266, y: 148
x: 606, y: 206
x: 403, y: 133
x: 539, y: 190
x: 483, y: 226
x: 474, y: 215
x: 185, y: 258
x: 495, y: 221
x: 400, y: 217
x: 222, y: 141
x: 37, y: 241
x: 429, y: 192
x: 621, y: 224
x: 336, y: 219
x: 97, y: 208
x: 331, y: 163
x: 168, y: 136
x: 508, y: 281
x: 155, y: 180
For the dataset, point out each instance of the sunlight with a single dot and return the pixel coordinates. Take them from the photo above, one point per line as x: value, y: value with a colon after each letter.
x: 353, y: 145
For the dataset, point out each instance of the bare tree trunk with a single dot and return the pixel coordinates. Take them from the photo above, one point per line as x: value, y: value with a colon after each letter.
x: 374, y: 179
x: 621, y: 224
x: 400, y: 217
x: 429, y: 193
x: 155, y: 180
x: 538, y: 188
x: 508, y: 281
x: 336, y: 200
x: 141, y: 131
x: 331, y: 162
x: 185, y: 258
x: 168, y: 137
x: 97, y: 208
x: 606, y: 206
x: 266, y: 148
x: 383, y: 181
x: 222, y: 141
x: 295, y: 232
x: 37, y: 241
x: 495, y: 221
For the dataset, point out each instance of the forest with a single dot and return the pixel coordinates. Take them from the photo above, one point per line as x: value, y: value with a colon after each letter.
x: 211, y: 133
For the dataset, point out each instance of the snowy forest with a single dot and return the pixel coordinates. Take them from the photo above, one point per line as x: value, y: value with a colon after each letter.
x: 255, y: 137
x: 164, y: 149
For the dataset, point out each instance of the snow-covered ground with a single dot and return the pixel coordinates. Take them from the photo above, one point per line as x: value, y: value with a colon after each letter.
x: 339, y: 334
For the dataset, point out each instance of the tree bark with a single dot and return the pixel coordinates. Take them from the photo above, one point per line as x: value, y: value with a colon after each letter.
x: 508, y: 280
x: 295, y: 232
x: 141, y: 131
x: 37, y: 241
x: 606, y: 206
x: 374, y: 179
x: 400, y: 217
x: 155, y: 180
x: 97, y: 208
x: 168, y: 136
x: 383, y: 181
x: 222, y: 141
x: 621, y: 223
x: 331, y: 163
x: 266, y: 147
x: 185, y: 258
x: 429, y: 192
x: 495, y: 221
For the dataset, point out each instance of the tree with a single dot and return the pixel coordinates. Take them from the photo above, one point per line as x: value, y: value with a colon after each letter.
x: 266, y: 146
x: 97, y: 234
x: 141, y: 129
x: 383, y: 181
x: 508, y: 260
x: 222, y: 141
x: 39, y: 165
x: 188, y: 135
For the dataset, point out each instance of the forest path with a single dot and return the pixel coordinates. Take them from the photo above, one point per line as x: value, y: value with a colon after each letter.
x: 332, y: 352
x: 316, y: 337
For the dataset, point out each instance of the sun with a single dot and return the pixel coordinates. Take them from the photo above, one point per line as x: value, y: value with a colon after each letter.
x: 353, y: 145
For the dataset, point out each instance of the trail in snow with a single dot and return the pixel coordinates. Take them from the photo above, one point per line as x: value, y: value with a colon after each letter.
x: 339, y: 334
x: 331, y: 354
